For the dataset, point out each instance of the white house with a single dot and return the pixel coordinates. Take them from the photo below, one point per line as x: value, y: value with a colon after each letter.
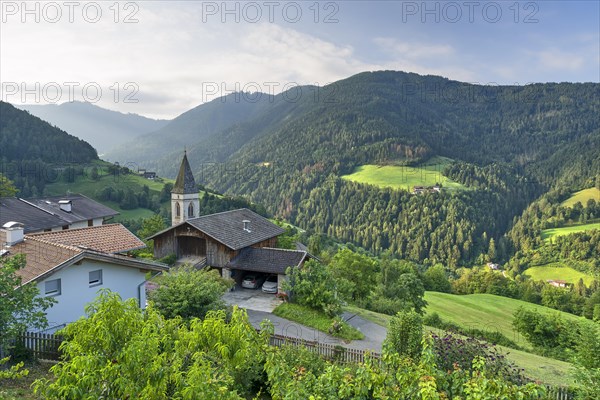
x: 72, y: 265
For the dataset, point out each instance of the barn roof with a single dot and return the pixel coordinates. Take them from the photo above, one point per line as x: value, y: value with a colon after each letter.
x: 267, y: 260
x: 228, y: 228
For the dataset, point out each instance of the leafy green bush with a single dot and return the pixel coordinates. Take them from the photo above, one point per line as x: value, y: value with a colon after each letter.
x: 119, y: 351
x: 405, y: 334
x: 189, y: 293
x: 313, y: 286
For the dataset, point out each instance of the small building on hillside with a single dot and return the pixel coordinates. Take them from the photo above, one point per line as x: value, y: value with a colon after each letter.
x: 426, y: 189
x: 493, y: 266
x: 558, y: 283
x: 72, y: 265
x: 235, y: 242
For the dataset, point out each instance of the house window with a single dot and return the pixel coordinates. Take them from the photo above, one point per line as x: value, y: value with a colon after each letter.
x: 90, y: 222
x: 191, y: 210
x: 177, y: 210
x: 95, y: 278
x: 52, y: 288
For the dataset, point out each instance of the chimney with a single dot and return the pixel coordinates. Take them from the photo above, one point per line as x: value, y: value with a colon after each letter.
x: 13, y: 231
x: 246, y: 225
x: 65, y: 205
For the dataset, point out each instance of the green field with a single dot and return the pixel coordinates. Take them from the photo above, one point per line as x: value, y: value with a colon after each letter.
x: 547, y: 370
x: 557, y: 271
x: 582, y: 196
x: 88, y: 187
x: 485, y: 312
x: 403, y: 177
x: 548, y: 234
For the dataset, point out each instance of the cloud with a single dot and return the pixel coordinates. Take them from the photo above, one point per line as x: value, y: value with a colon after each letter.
x: 559, y: 60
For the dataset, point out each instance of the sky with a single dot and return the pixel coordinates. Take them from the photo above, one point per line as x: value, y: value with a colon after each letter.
x: 162, y: 58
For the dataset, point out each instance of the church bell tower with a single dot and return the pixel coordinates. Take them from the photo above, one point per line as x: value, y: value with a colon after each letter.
x: 185, y: 203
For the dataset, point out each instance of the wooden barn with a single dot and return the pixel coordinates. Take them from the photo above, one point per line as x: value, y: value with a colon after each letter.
x: 235, y: 242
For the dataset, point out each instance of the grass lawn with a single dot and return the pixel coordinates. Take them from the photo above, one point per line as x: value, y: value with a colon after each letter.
x: 582, y: 196
x: 315, y: 319
x: 403, y: 177
x: 485, y: 312
x: 557, y: 271
x: 546, y: 370
x: 548, y: 234
x: 21, y: 388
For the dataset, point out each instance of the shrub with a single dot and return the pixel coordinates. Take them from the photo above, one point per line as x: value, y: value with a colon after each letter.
x: 313, y: 286
x: 452, y: 352
x: 405, y: 334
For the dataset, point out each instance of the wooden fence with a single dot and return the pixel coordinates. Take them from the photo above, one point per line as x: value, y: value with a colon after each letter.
x: 328, y: 351
x: 43, y: 346
x: 559, y: 393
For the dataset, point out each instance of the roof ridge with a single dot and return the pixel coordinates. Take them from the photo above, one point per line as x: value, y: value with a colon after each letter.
x: 225, y: 212
x: 75, y: 229
x: 276, y: 248
x: 48, y: 242
x: 35, y: 205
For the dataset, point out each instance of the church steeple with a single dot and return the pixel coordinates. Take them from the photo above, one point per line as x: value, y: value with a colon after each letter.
x: 185, y: 183
x: 185, y: 203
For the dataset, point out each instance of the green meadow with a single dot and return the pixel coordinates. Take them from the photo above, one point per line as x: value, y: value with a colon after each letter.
x: 582, y: 196
x: 89, y: 187
x: 548, y: 234
x: 558, y: 271
x: 484, y: 311
x: 404, y: 177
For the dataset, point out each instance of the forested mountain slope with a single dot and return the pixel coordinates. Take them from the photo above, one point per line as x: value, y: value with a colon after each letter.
x: 510, y: 144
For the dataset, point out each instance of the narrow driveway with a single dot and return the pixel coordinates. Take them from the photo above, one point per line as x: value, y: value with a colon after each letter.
x: 260, y: 306
x: 252, y: 299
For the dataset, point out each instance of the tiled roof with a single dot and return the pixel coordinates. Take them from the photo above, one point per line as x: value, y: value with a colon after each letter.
x: 228, y: 228
x: 45, y: 257
x: 111, y: 238
x: 267, y: 260
x: 33, y: 218
x: 185, y: 183
x: 41, y: 256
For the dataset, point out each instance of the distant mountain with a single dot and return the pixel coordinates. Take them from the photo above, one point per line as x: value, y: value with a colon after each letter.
x: 104, y: 129
x: 190, y: 128
x: 510, y: 144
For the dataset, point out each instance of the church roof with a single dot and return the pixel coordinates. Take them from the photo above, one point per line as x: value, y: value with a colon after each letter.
x: 185, y: 183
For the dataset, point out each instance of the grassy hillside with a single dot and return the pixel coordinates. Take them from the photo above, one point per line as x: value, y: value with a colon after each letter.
x: 484, y: 311
x: 548, y: 234
x: 89, y: 187
x: 403, y: 177
x: 582, y: 196
x: 557, y: 271
x: 547, y: 370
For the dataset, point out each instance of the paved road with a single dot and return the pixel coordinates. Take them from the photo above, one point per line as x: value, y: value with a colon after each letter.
x: 374, y: 334
x: 260, y: 306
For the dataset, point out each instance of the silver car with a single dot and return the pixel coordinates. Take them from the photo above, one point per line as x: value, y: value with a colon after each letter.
x: 270, y: 285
